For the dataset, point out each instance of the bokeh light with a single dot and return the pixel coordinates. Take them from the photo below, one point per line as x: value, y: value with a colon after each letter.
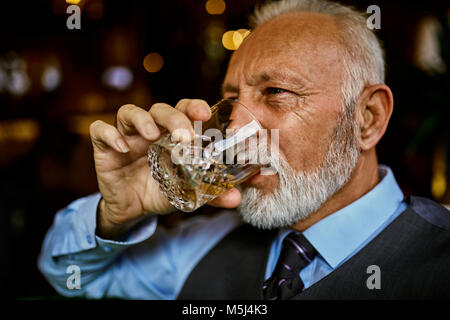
x: 153, y: 62
x: 79, y: 124
x: 215, y: 6
x: 19, y: 130
x: 244, y: 32
x: 232, y: 39
x: 118, y: 77
x: 19, y: 82
x: 51, y: 78
x: 92, y: 102
x: 227, y: 40
x: 73, y: 1
x: 439, y: 176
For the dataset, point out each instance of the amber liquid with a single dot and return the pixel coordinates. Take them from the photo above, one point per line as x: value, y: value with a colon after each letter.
x: 190, y: 186
x: 212, y: 184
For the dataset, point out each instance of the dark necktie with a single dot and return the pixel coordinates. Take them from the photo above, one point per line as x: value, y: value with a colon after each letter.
x: 285, y: 281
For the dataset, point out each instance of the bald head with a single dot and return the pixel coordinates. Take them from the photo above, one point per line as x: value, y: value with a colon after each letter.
x: 301, y: 24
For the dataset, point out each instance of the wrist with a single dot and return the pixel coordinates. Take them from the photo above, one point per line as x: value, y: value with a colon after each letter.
x: 106, y: 228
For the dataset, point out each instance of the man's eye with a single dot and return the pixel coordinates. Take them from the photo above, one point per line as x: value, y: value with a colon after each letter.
x: 274, y: 90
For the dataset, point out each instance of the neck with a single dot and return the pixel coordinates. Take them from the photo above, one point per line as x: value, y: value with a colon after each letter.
x: 363, y: 179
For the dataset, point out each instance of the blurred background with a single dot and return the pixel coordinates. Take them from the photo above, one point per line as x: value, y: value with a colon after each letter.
x: 55, y: 81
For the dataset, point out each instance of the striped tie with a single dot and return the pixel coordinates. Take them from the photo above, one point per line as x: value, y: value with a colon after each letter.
x: 285, y: 281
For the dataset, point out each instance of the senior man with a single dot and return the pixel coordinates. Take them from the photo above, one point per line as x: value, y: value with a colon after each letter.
x: 331, y: 224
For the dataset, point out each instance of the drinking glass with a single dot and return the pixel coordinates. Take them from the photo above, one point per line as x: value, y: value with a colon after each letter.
x: 226, y: 151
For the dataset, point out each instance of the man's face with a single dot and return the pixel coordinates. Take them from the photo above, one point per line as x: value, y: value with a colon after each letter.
x: 288, y: 72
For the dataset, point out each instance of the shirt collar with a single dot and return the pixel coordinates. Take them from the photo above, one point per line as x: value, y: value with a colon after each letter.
x: 341, y: 233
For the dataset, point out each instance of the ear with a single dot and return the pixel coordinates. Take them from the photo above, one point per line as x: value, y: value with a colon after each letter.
x: 374, y: 109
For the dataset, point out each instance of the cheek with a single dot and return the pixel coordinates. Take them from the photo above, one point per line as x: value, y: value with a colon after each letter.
x: 304, y: 146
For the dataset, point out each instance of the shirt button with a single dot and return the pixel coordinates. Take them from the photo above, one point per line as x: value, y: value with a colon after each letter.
x: 89, y: 239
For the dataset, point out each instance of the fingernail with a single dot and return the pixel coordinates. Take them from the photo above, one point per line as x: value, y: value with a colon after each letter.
x: 122, y: 146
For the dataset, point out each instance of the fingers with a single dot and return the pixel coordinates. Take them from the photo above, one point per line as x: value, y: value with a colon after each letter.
x: 178, y: 120
x: 104, y: 135
x: 172, y: 119
x: 230, y: 199
x: 132, y: 120
x: 195, y: 109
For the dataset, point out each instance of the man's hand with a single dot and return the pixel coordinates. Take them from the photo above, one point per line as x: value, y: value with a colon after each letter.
x: 120, y: 154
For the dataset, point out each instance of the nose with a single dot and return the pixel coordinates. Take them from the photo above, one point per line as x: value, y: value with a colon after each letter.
x: 239, y: 117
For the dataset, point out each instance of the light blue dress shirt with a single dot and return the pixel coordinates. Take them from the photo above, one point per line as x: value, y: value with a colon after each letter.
x: 154, y: 263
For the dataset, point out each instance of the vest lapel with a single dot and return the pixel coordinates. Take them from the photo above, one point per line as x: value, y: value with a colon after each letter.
x: 233, y: 269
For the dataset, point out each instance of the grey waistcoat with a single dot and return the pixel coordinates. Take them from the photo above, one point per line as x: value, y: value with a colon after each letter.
x: 412, y: 253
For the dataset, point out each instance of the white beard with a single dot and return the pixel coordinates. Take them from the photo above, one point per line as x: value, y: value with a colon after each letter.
x: 300, y: 194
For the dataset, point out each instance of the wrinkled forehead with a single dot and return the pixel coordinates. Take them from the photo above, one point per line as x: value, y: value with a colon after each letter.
x: 307, y: 43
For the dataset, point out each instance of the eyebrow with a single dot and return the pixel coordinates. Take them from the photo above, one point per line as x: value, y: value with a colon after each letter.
x: 228, y: 87
x: 288, y: 78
